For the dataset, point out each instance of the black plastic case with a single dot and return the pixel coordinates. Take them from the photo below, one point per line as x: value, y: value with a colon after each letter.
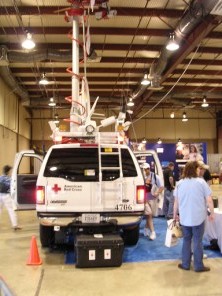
x: 98, y: 250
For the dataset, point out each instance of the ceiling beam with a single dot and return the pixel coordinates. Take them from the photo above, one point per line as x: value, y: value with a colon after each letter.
x: 121, y: 11
x: 109, y: 46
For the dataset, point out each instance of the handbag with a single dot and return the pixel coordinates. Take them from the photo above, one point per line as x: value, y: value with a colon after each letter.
x: 177, y: 229
x: 154, y: 190
x: 171, y: 239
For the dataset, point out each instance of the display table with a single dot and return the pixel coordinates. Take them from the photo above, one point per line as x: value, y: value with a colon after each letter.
x: 213, y: 229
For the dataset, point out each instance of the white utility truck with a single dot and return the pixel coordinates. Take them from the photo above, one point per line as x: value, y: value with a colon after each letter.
x: 89, y: 187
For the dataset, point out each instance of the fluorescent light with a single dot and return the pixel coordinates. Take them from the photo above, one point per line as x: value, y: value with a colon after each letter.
x: 28, y: 43
x: 145, y: 80
x: 130, y: 103
x: 172, y: 45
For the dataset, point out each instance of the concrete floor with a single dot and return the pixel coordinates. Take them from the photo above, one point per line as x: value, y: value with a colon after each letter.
x: 54, y: 278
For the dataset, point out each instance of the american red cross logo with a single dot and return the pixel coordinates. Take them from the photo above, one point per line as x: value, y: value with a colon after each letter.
x: 56, y: 188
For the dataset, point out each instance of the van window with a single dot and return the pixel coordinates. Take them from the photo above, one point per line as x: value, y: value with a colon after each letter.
x: 82, y: 164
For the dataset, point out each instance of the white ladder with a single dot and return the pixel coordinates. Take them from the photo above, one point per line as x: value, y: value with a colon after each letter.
x: 104, y: 141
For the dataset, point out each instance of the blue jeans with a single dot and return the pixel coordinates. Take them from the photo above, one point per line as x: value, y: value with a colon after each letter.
x: 168, y: 203
x: 196, y: 233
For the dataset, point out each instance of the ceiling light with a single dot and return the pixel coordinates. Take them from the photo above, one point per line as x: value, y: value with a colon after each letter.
x: 51, y: 103
x: 172, y: 45
x: 129, y: 111
x: 56, y: 118
x: 184, y: 118
x: 204, y: 103
x: 145, y: 80
x: 159, y: 141
x: 43, y: 80
x: 130, y: 103
x: 28, y: 43
x: 143, y: 141
x: 172, y: 115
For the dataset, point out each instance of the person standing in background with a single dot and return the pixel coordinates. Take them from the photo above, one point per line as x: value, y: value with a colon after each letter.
x: 152, y: 181
x: 192, y: 198
x: 169, y: 184
x: 5, y: 198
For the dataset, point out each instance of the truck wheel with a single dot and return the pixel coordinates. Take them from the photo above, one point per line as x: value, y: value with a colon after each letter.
x: 47, y: 236
x: 131, y: 236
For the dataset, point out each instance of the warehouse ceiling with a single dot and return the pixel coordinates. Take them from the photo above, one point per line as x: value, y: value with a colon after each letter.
x: 128, y: 40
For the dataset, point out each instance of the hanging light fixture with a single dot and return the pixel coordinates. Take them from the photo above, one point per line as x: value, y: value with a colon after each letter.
x: 129, y: 111
x: 43, y: 80
x: 184, y: 117
x: 130, y: 103
x: 204, y: 103
x: 56, y: 118
x: 172, y: 115
x: 28, y: 43
x: 145, y: 80
x: 172, y: 45
x: 159, y: 141
x: 52, y: 103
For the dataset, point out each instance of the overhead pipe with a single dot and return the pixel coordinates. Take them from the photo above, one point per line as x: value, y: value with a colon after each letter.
x: 197, y: 11
x: 23, y: 57
x: 42, y: 55
x: 195, y: 14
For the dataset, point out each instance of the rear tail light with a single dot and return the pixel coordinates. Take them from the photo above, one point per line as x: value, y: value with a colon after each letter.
x: 40, y: 194
x: 140, y: 194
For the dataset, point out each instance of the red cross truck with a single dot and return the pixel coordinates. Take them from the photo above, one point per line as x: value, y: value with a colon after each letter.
x: 88, y: 187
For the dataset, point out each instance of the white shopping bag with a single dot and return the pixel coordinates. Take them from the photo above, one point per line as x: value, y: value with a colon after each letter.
x: 171, y: 240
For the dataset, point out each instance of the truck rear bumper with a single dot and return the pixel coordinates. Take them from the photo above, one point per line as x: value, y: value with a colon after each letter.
x: 121, y: 221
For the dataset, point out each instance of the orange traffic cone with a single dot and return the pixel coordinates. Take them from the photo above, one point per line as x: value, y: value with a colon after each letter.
x: 34, y: 258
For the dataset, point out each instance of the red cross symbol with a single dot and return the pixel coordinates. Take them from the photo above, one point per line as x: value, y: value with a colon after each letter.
x: 56, y: 188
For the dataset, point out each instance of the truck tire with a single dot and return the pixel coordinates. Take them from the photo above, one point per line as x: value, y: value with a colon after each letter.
x: 47, y: 236
x: 131, y: 235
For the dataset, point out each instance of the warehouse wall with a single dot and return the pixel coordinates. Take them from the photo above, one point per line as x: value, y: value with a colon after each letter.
x: 15, y: 130
x: 201, y: 127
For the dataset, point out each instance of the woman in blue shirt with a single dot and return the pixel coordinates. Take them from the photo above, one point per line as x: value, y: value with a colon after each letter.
x: 192, y: 198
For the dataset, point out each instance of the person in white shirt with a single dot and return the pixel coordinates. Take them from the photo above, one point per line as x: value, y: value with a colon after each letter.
x: 152, y: 181
x: 5, y: 198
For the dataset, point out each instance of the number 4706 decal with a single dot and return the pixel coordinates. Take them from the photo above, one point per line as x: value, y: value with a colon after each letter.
x: 123, y: 207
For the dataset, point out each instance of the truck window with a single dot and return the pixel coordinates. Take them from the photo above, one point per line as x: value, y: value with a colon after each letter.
x: 82, y: 164
x: 29, y: 165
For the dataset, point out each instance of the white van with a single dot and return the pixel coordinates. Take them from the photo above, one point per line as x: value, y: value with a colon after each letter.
x: 90, y: 188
